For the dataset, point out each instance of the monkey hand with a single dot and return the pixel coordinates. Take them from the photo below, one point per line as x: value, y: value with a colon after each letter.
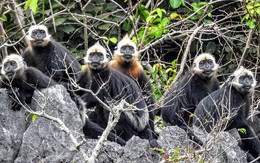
x: 15, y: 105
x: 13, y: 94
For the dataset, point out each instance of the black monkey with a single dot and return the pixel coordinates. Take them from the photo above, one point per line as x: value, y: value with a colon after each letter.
x: 181, y: 103
x: 50, y: 57
x: 22, y: 80
x: 112, y: 86
x: 228, y: 108
x: 126, y: 60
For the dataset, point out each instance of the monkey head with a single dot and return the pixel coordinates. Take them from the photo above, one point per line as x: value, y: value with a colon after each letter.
x: 13, y: 66
x: 243, y: 80
x: 205, y: 65
x: 96, y: 57
x: 38, y: 36
x: 127, y: 49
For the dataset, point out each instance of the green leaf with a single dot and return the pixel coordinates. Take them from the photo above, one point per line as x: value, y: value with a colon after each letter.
x: 144, y: 13
x: 165, y: 22
x: 113, y: 40
x: 176, y: 3
x: 159, y: 12
x: 104, y: 26
x: 59, y: 21
x: 158, y: 150
x: 33, y: 4
x: 251, y: 23
x: 68, y: 29
x: 173, y: 15
x: 4, y: 18
x: 28, y: 2
x: 34, y: 116
x: 126, y: 25
x: 242, y: 130
x: 177, y: 151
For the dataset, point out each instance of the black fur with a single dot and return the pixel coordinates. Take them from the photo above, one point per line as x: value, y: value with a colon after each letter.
x: 143, y: 82
x: 217, y: 105
x: 117, y: 87
x: 23, y: 86
x: 52, y: 60
x: 181, y: 103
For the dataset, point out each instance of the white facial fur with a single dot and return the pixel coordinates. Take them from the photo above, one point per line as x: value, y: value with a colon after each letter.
x: 42, y: 27
x: 126, y: 41
x: 201, y: 57
x: 239, y: 72
x: 13, y: 57
x: 96, y: 48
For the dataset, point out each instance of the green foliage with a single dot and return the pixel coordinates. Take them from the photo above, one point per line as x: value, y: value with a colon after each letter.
x: 156, y: 24
x: 252, y: 14
x: 199, y: 12
x: 158, y: 150
x: 159, y: 122
x: 34, y: 116
x: 161, y: 78
x: 176, y: 155
x: 33, y: 4
x: 176, y: 3
x: 242, y: 130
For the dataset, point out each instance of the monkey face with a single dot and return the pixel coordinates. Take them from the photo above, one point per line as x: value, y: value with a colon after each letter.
x: 9, y: 68
x: 96, y: 60
x: 12, y: 66
x: 243, y: 80
x: 127, y: 51
x: 96, y: 57
x: 204, y: 65
x: 38, y: 35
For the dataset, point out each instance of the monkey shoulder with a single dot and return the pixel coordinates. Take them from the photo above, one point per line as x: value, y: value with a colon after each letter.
x: 38, y: 79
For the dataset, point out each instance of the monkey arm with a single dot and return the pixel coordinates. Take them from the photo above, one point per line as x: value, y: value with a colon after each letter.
x: 93, y: 130
x: 34, y: 78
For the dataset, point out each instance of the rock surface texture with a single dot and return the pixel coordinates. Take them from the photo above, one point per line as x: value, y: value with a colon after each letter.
x: 45, y: 140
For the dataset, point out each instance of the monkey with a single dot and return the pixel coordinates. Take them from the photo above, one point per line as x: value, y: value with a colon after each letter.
x: 126, y: 60
x: 50, y: 57
x: 22, y: 80
x: 111, y: 86
x: 228, y: 108
x: 179, y: 106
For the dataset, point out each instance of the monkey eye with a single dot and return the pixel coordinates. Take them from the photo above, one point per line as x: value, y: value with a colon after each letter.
x: 202, y: 62
x: 210, y: 61
x: 42, y: 31
x: 242, y: 77
x: 12, y: 63
x: 34, y: 33
x: 250, y: 77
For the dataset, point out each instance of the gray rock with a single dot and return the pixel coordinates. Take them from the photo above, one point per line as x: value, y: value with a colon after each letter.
x: 44, y: 141
x: 12, y: 126
x: 172, y: 138
x: 110, y: 152
x: 138, y: 150
x: 222, y: 148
